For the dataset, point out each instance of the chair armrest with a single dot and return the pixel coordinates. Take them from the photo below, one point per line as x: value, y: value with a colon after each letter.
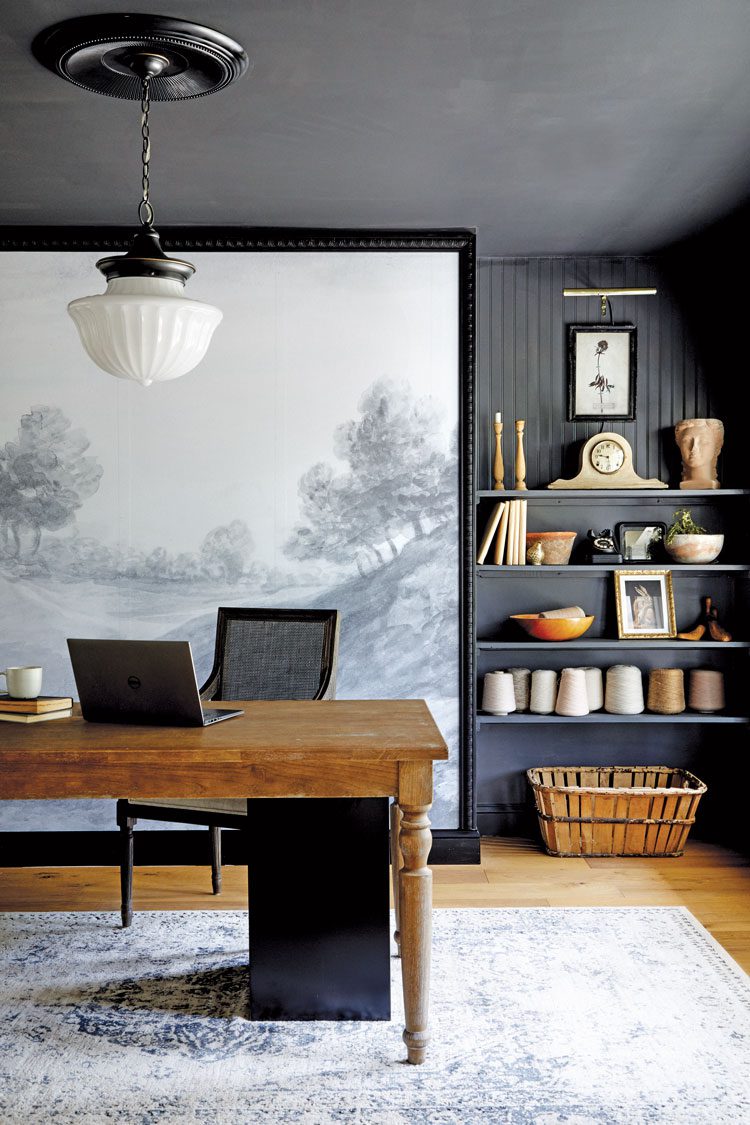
x: 208, y: 690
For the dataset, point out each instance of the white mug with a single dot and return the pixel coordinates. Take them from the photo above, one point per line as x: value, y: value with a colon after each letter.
x: 23, y: 683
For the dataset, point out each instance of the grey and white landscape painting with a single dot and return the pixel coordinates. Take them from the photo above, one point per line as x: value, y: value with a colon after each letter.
x: 309, y: 460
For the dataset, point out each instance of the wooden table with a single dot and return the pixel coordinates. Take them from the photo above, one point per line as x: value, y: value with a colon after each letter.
x: 341, y: 748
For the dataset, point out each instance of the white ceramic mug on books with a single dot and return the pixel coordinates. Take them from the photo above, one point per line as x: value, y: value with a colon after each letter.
x: 23, y: 683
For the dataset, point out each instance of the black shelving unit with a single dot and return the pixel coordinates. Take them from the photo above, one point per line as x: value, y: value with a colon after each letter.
x: 508, y: 745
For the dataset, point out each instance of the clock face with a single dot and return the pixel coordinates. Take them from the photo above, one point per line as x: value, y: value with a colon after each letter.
x: 607, y: 456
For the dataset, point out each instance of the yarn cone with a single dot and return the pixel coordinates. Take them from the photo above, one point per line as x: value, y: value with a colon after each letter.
x: 572, y: 697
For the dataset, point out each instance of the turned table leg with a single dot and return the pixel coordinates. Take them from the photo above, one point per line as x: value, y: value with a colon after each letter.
x: 415, y: 903
x: 396, y: 864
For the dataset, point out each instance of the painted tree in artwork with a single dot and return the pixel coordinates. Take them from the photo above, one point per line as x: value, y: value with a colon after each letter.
x: 392, y: 449
x: 45, y: 476
x: 331, y: 505
x: 398, y: 478
x: 225, y: 551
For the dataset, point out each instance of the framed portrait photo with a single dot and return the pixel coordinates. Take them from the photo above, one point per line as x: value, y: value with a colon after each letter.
x: 601, y: 372
x: 645, y: 605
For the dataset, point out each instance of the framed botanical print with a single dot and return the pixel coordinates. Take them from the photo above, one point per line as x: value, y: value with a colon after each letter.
x: 601, y: 372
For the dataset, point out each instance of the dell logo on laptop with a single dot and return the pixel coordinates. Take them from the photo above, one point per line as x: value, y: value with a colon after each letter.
x: 134, y: 682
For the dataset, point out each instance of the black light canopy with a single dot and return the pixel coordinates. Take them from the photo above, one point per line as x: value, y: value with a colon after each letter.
x: 110, y: 54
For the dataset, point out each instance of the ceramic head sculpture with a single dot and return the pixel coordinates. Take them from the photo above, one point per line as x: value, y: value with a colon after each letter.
x: 699, y: 441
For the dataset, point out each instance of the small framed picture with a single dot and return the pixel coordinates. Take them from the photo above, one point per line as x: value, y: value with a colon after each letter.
x: 601, y: 372
x: 645, y: 604
x: 640, y: 542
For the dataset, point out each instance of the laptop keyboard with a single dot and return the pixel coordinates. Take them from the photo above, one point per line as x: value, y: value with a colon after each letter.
x: 211, y: 715
x: 216, y: 714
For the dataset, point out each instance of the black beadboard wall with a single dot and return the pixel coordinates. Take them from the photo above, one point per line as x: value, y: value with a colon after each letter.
x: 522, y: 365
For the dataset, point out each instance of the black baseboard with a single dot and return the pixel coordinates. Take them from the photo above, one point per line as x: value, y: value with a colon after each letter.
x: 508, y: 819
x: 455, y: 845
x: 177, y: 848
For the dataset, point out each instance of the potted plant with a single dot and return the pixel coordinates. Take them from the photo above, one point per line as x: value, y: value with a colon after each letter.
x: 688, y: 542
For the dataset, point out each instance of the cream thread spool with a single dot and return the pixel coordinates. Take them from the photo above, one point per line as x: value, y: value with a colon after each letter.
x: 572, y: 698
x: 594, y: 688
x: 706, y: 690
x: 543, y: 691
x: 488, y: 693
x: 623, y: 693
x: 521, y: 687
x: 498, y: 696
x: 666, y: 691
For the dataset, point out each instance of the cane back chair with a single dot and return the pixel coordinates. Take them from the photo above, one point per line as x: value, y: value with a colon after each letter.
x: 259, y: 654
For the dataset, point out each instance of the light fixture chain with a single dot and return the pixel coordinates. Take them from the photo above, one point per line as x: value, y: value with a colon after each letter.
x: 145, y: 210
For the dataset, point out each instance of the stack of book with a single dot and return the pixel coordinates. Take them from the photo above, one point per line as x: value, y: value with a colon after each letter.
x: 34, y: 710
x: 507, y: 526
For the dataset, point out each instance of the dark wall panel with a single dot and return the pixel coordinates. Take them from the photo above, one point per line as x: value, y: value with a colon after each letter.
x: 523, y: 365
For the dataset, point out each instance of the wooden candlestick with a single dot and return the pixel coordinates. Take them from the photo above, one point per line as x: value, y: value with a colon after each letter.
x: 520, y: 457
x: 498, y: 469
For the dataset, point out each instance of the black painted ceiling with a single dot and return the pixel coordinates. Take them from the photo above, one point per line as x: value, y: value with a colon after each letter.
x: 551, y: 126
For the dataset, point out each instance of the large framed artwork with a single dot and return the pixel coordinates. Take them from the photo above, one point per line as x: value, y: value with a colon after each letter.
x: 320, y: 455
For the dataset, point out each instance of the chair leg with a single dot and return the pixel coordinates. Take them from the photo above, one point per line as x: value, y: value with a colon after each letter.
x: 215, y: 860
x: 126, y: 871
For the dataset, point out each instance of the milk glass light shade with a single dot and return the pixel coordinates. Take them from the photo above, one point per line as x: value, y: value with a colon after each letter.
x: 144, y: 329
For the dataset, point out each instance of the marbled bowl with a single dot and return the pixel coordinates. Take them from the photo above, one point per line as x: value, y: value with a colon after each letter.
x: 695, y: 548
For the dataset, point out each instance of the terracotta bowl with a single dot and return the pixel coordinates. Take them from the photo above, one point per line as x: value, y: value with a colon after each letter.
x: 556, y: 545
x: 695, y: 548
x: 552, y: 628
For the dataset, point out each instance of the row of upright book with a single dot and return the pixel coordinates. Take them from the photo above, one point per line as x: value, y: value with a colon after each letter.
x: 507, y: 528
x: 34, y: 710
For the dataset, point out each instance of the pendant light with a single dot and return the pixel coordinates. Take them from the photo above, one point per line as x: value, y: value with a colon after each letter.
x: 143, y: 328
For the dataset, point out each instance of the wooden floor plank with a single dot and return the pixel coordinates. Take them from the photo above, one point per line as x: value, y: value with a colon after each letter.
x: 712, y: 882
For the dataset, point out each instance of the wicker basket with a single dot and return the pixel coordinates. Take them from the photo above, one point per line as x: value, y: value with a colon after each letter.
x: 615, y: 810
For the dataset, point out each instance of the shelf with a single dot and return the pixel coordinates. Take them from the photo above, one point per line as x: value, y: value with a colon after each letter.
x: 487, y: 570
x: 635, y: 494
x: 581, y: 505
x: 605, y: 717
x: 599, y: 642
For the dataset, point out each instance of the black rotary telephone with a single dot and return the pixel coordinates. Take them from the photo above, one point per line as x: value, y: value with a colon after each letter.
x: 601, y: 547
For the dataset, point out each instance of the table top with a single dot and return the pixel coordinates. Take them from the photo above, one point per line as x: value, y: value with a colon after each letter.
x: 336, y: 748
x: 377, y: 730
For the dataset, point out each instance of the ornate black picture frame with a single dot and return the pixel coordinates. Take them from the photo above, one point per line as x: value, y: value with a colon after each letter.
x: 602, y: 372
x: 454, y: 844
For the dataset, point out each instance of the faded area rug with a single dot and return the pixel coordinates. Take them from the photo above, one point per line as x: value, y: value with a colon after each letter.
x: 539, y: 1016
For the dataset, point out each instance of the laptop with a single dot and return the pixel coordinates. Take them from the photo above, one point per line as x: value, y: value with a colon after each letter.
x: 150, y: 682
